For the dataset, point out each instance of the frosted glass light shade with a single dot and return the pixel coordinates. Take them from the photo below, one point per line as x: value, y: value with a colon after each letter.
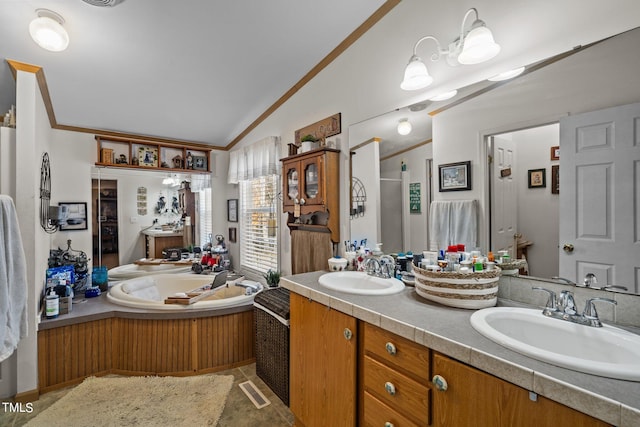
x: 479, y: 45
x: 416, y: 75
x: 48, y: 32
x: 444, y: 96
x: 506, y: 75
x: 404, y: 127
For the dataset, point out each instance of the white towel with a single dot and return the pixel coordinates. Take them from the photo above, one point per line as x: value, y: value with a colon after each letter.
x: 143, y: 288
x: 453, y: 222
x: 13, y: 280
x: 464, y: 223
x: 150, y: 293
x: 439, y: 229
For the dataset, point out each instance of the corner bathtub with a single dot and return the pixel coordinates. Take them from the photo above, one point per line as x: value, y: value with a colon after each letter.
x: 149, y: 292
x: 130, y: 271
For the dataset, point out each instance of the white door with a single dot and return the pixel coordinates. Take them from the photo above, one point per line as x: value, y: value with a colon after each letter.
x: 504, y: 208
x: 600, y: 196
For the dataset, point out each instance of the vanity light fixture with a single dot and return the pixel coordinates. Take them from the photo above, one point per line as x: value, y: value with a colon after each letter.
x: 47, y: 31
x: 506, y: 75
x: 473, y: 47
x: 444, y: 96
x: 404, y: 127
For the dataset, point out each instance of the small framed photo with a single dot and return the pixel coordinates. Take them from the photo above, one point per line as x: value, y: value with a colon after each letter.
x: 200, y: 163
x: 555, y: 152
x: 455, y: 176
x: 555, y: 179
x: 232, y: 210
x: 233, y: 234
x: 537, y: 178
x: 72, y: 216
x: 148, y: 156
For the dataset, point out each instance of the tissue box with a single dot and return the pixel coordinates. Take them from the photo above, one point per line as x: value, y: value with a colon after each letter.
x: 66, y: 305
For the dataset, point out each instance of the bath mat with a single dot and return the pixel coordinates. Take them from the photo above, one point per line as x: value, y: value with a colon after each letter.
x: 254, y: 394
x: 140, y: 401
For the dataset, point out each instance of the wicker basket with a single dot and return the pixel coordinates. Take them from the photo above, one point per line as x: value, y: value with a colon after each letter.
x: 461, y: 290
x: 513, y: 267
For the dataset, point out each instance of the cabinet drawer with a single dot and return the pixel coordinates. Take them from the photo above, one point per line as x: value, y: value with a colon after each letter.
x: 401, y: 352
x: 409, y: 397
x: 377, y: 414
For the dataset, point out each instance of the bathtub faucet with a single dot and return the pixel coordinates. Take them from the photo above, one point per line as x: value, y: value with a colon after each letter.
x: 250, y: 289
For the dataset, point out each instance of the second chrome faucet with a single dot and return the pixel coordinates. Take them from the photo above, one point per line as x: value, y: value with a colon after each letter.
x: 564, y: 308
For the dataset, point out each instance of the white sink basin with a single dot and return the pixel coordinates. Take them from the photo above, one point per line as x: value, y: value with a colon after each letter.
x: 356, y: 282
x: 608, y: 351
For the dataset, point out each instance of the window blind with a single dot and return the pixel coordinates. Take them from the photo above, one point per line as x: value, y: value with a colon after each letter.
x: 204, y: 216
x: 258, y: 222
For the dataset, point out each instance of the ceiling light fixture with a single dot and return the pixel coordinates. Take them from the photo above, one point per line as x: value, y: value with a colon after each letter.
x: 473, y: 47
x: 444, y: 96
x: 506, y: 75
x: 404, y: 127
x: 47, y: 31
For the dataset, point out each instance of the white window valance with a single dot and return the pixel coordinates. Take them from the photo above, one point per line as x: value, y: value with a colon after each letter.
x: 258, y: 159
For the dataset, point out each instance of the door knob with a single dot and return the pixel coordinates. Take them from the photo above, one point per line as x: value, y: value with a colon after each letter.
x: 567, y: 247
x: 347, y: 334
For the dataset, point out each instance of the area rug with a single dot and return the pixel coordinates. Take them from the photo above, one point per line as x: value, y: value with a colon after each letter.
x: 140, y: 401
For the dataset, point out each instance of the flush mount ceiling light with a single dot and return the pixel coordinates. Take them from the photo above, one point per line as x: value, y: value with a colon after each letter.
x: 444, y: 96
x: 507, y: 75
x: 404, y: 127
x: 47, y: 31
x: 473, y: 47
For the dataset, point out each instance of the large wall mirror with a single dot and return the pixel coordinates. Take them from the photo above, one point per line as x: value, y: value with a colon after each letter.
x: 488, y: 117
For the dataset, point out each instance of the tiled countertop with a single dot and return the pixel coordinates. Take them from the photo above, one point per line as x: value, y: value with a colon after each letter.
x: 448, y: 331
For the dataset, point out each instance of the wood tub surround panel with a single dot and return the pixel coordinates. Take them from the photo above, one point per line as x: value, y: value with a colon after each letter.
x: 69, y: 354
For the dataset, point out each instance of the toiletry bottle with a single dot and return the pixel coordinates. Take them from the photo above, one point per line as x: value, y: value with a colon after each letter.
x: 52, y: 304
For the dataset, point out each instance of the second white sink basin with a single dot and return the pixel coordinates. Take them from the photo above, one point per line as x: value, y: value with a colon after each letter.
x: 356, y: 282
x: 608, y: 351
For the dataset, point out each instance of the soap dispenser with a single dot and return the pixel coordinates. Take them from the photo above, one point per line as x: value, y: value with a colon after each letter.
x: 52, y: 304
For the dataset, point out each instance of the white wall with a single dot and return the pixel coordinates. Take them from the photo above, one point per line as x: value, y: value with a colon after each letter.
x: 33, y: 138
x: 366, y: 168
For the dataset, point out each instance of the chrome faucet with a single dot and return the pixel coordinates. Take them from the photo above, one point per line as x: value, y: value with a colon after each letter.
x: 564, y: 308
x: 380, y: 267
x: 250, y: 289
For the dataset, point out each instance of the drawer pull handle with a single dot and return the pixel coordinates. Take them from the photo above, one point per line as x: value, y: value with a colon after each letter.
x: 391, y: 389
x: 440, y: 383
x: 391, y: 349
x: 347, y: 334
x: 388, y: 424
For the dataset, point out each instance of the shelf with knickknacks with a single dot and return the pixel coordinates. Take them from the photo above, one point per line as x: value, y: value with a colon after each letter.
x: 151, y: 155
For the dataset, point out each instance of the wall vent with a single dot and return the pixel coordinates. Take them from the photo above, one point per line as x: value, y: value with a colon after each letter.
x: 102, y: 3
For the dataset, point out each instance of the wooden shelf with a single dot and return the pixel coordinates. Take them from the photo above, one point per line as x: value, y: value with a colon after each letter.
x: 113, y: 152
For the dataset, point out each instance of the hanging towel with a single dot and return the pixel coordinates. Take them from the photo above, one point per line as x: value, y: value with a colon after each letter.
x: 452, y: 222
x: 310, y: 251
x: 13, y: 280
x: 439, y: 229
x: 464, y: 223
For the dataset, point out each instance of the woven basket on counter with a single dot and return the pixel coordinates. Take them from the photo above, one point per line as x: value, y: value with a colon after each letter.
x: 512, y: 267
x: 462, y: 290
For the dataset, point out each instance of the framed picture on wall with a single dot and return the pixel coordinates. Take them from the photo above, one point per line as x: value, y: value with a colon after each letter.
x: 455, y: 176
x: 555, y: 152
x: 537, y: 178
x: 232, y: 210
x: 72, y: 216
x: 233, y: 234
x: 555, y: 179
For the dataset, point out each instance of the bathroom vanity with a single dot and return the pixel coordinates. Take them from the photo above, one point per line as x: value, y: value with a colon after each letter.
x: 157, y: 240
x: 400, y: 360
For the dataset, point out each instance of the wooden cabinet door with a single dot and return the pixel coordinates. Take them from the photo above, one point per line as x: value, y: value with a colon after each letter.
x: 322, y: 365
x: 474, y: 398
x: 291, y: 183
x: 312, y: 170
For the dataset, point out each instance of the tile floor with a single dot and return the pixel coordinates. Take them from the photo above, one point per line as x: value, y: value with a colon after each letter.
x: 239, y: 411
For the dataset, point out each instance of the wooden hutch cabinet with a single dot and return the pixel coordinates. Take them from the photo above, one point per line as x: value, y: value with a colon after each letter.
x: 311, y: 194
